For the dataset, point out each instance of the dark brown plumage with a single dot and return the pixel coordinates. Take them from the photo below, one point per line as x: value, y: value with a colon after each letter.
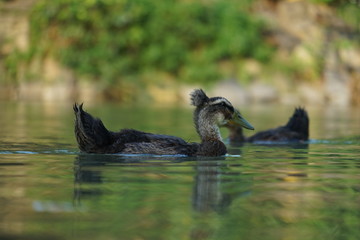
x: 296, y: 129
x: 93, y: 137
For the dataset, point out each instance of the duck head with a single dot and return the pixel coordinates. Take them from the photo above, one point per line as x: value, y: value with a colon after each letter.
x: 211, y: 113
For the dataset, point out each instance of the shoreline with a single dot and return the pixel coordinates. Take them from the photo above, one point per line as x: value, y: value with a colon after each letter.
x: 253, y: 93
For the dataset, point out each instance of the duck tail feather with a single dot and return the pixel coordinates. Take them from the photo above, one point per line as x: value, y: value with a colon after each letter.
x: 299, y: 122
x: 90, y: 132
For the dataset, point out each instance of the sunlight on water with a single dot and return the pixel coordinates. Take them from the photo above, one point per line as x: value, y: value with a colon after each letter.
x: 257, y: 191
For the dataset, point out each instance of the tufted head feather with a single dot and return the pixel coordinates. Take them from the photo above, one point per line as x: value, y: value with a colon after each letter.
x: 199, y: 98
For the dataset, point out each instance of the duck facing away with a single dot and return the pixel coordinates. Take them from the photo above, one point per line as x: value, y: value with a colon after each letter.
x: 295, y: 130
x: 210, y: 113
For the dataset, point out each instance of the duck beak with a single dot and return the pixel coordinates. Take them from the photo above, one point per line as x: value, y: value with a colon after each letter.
x: 240, y: 121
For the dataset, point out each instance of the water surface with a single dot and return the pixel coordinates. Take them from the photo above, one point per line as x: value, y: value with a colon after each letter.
x: 300, y: 191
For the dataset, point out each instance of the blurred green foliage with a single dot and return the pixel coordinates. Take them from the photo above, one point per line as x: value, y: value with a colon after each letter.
x: 347, y: 10
x: 111, y: 40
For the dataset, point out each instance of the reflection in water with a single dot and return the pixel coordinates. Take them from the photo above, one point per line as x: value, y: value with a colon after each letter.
x: 208, y: 187
x: 88, y: 169
x: 84, y: 173
x: 215, y: 186
x: 209, y: 193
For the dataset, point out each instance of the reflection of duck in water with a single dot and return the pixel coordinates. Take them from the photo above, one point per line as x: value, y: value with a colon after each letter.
x: 296, y: 130
x: 210, y: 113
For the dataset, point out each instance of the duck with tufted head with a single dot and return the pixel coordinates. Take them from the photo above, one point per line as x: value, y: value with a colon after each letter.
x: 209, y: 114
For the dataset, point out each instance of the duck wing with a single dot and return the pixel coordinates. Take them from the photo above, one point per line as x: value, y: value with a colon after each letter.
x: 280, y: 134
x: 161, y: 147
x: 165, y: 138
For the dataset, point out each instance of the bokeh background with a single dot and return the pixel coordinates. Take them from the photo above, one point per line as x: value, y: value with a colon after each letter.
x: 145, y: 51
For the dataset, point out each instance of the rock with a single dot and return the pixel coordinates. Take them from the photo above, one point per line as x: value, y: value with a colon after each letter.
x: 305, y: 56
x: 232, y: 90
x: 302, y: 18
x: 355, y: 86
x: 350, y: 56
x: 336, y: 80
x: 264, y: 93
x: 310, y: 94
x: 283, y: 40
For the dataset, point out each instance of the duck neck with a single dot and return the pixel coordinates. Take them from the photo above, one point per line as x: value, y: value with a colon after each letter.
x: 207, y: 129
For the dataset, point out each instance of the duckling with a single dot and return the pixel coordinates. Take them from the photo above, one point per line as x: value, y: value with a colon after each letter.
x: 296, y: 129
x: 210, y: 113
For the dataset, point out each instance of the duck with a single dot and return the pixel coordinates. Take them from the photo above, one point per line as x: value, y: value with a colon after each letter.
x: 295, y: 130
x: 210, y: 113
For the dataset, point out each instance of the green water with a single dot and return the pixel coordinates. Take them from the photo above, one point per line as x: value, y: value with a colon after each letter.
x: 50, y: 191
